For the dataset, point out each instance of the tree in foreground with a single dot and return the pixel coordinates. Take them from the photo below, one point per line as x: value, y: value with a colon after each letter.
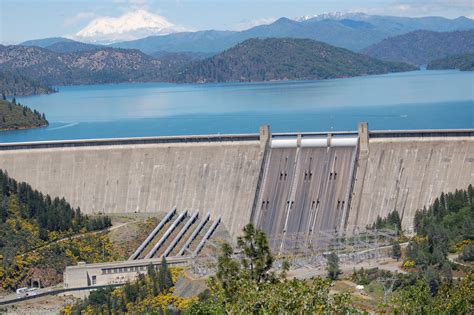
x: 246, y: 284
x: 333, y: 266
x: 450, y: 299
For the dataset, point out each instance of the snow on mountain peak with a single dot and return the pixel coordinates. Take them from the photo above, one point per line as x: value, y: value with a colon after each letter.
x: 333, y: 16
x: 129, y: 26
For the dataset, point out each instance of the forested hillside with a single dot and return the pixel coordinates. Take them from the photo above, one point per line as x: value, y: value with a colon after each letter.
x: 284, y: 59
x: 105, y: 65
x: 422, y: 47
x: 12, y: 84
x: 31, y: 228
x: 464, y: 62
x: 17, y: 116
x: 252, y: 60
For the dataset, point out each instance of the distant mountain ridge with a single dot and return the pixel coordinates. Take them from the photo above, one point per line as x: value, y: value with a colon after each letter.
x: 61, y: 45
x: 354, y: 31
x: 284, y: 59
x: 422, y: 47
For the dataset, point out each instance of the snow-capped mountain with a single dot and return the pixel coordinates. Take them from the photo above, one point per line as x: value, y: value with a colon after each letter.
x: 130, y: 26
x: 333, y: 16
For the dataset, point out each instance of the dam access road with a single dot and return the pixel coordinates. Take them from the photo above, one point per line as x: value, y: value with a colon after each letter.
x: 284, y: 183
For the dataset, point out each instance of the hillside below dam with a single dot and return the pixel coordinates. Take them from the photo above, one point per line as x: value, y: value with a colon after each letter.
x: 286, y: 184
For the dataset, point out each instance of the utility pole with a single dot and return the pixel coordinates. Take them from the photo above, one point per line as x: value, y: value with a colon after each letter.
x: 387, y: 284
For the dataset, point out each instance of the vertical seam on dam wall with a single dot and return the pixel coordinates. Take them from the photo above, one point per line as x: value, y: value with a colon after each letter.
x: 350, y: 188
x: 259, y: 183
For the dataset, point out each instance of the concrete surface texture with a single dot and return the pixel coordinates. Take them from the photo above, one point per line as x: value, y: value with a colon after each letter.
x: 305, y: 190
x: 219, y: 177
x: 406, y: 174
x: 241, y: 179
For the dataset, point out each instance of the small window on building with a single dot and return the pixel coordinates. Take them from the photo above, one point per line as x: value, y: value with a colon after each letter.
x: 94, y: 280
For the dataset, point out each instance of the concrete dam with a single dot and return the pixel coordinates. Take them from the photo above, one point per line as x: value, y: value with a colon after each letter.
x: 286, y: 184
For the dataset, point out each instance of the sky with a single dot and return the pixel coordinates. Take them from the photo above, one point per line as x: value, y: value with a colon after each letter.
x: 21, y: 20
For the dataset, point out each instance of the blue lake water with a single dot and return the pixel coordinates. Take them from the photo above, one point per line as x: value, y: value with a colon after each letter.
x: 413, y: 100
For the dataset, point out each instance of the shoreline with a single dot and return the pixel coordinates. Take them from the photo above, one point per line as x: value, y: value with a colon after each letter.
x: 24, y: 128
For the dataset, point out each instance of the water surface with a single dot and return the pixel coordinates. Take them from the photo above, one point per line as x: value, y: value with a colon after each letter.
x: 412, y: 100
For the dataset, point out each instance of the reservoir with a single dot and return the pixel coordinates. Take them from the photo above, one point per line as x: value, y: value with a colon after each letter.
x: 411, y: 100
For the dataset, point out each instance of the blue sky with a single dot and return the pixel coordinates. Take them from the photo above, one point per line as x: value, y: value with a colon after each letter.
x: 30, y: 19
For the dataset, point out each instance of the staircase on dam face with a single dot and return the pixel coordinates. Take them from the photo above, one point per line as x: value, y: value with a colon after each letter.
x: 306, y: 189
x: 177, y: 235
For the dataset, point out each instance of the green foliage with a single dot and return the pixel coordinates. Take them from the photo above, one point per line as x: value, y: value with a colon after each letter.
x: 284, y: 59
x: 257, y: 258
x: 333, y: 266
x: 450, y: 299
x: 396, y: 250
x: 29, y: 220
x: 392, y: 221
x: 137, y: 297
x: 17, y: 116
x: 463, y: 62
x: 421, y: 47
x: 164, y: 276
x: 14, y: 84
x: 448, y: 221
x: 468, y: 252
x: 246, y: 285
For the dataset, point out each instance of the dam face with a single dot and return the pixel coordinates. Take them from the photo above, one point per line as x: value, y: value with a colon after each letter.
x: 210, y: 175
x: 409, y: 173
x: 306, y: 189
x: 286, y: 184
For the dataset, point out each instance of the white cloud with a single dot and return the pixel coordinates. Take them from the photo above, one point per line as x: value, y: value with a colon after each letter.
x: 246, y: 24
x: 131, y: 25
x: 73, y: 20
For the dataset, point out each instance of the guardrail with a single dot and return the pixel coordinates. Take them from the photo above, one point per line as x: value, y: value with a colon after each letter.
x: 128, y: 141
x: 421, y: 133
x: 227, y: 138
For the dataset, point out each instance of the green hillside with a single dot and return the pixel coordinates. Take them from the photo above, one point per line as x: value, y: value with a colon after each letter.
x: 34, y: 231
x: 17, y: 116
x: 464, y: 62
x: 422, y: 47
x: 16, y: 85
x: 284, y: 59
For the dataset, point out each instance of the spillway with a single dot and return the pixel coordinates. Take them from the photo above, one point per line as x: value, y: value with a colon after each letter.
x: 306, y: 186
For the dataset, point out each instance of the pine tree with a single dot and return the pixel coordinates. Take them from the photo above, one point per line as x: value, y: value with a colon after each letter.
x: 396, y: 251
x: 333, y: 266
x: 153, y: 279
x: 164, y: 276
x: 258, y: 258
